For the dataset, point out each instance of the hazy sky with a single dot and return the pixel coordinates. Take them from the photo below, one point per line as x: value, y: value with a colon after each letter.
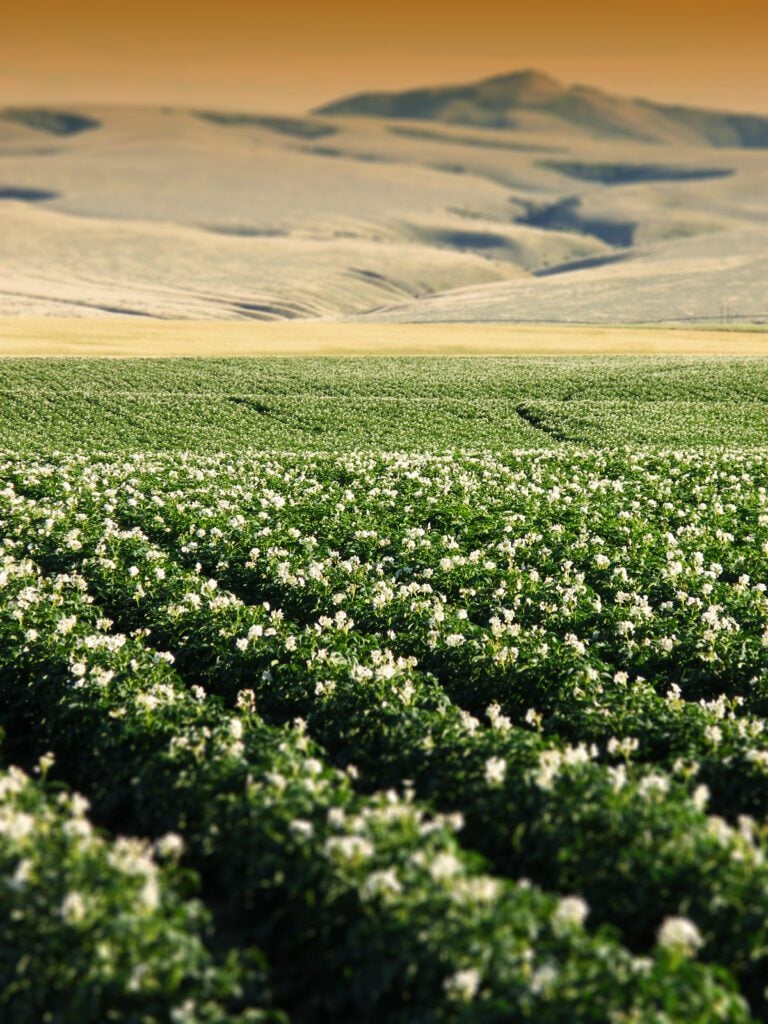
x: 290, y: 56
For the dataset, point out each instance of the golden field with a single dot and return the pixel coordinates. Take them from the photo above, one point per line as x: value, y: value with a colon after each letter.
x: 146, y: 338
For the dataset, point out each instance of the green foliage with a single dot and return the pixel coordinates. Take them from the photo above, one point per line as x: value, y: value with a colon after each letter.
x: 96, y: 930
x: 491, y: 404
x: 434, y: 736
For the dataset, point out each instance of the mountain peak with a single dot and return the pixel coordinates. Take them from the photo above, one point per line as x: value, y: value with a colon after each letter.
x: 528, y: 88
x: 528, y: 78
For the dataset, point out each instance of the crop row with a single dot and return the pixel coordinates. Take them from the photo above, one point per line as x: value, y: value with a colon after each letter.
x: 614, y: 378
x: 624, y: 832
x: 397, y: 404
x: 367, y: 906
x: 93, y: 929
x: 681, y: 423
x: 124, y: 421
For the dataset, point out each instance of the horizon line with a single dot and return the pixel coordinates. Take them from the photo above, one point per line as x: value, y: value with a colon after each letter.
x: 244, y: 108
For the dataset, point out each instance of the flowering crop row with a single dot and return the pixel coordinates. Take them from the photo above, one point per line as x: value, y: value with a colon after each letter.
x: 568, y: 650
x: 396, y: 404
x: 681, y: 423
x: 617, y: 378
x: 388, y: 916
x: 94, y: 930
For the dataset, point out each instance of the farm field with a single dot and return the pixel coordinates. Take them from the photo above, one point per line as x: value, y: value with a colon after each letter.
x: 423, y: 404
x: 144, y: 337
x: 384, y: 690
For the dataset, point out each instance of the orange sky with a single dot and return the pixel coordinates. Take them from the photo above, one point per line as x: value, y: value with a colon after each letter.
x: 290, y: 56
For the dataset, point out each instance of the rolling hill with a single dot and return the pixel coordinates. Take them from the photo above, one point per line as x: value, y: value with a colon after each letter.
x: 412, y: 207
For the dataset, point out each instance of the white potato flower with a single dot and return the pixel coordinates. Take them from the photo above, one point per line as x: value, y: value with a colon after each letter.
x: 681, y: 935
x: 571, y: 912
x: 495, y: 771
x: 463, y: 985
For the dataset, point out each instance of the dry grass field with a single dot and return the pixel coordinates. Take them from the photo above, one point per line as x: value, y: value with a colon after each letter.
x: 122, y: 338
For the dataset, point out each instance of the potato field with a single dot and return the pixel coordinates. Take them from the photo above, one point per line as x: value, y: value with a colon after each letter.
x: 404, y: 691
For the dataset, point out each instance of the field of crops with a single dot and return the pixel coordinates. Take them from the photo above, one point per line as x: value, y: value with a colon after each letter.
x: 343, y: 715
x: 492, y: 404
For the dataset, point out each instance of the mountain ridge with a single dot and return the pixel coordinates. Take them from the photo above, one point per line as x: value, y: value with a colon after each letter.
x: 498, y: 102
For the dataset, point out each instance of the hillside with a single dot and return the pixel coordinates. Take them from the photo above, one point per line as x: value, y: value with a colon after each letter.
x: 508, y: 101
x: 204, y: 214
